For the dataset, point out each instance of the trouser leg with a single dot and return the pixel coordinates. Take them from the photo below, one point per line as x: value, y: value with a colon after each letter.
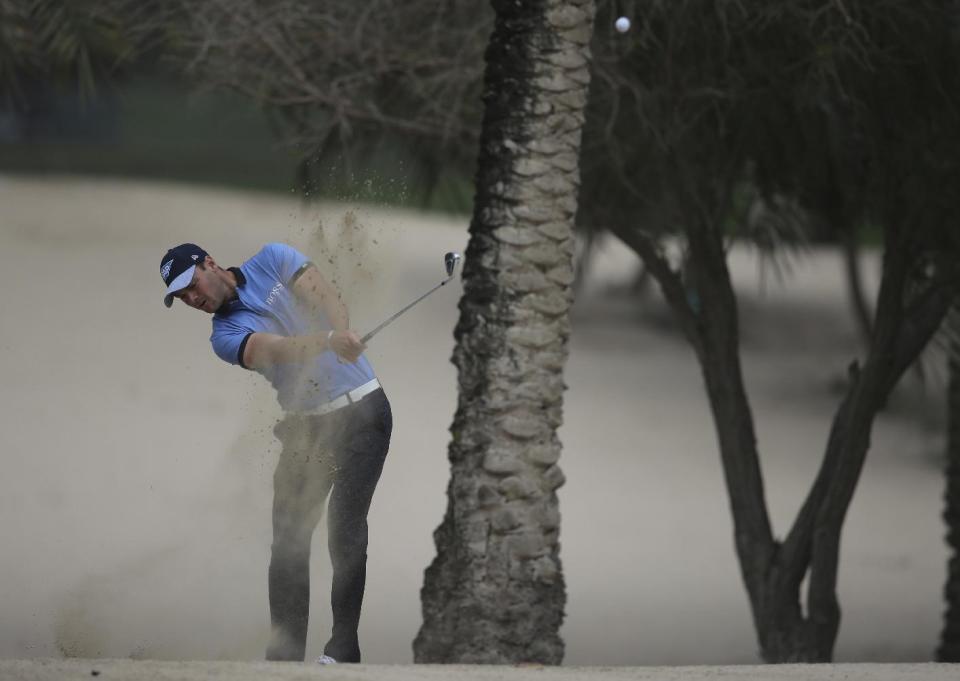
x: 359, y: 464
x: 301, y: 483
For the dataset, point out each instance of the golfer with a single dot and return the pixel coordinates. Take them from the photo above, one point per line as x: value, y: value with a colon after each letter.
x: 278, y: 316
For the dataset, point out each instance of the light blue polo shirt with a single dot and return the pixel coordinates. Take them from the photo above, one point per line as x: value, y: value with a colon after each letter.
x: 266, y: 304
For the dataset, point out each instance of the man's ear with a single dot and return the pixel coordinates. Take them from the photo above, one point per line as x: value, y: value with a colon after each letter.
x: 209, y: 262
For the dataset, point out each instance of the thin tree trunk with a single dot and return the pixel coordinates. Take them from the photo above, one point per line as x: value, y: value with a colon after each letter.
x: 495, y: 592
x: 949, y: 650
x: 774, y: 572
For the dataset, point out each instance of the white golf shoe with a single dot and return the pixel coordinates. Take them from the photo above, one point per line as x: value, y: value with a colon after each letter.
x: 326, y: 659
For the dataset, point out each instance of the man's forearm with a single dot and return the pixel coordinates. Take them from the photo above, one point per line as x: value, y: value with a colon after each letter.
x: 266, y: 349
x: 318, y: 294
x: 337, y: 313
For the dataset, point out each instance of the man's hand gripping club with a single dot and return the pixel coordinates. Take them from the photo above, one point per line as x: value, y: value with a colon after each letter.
x: 346, y: 344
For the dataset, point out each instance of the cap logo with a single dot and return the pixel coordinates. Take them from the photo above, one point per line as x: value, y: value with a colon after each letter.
x: 165, y: 269
x: 194, y: 256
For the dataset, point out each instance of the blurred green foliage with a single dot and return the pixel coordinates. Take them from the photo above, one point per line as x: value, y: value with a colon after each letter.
x: 161, y: 130
x: 157, y: 126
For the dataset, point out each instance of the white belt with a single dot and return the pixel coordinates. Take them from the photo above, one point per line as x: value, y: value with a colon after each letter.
x: 345, y: 399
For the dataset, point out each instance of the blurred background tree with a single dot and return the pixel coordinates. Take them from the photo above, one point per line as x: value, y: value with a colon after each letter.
x: 98, y: 87
x: 846, y: 110
x: 353, y: 86
x: 70, y: 45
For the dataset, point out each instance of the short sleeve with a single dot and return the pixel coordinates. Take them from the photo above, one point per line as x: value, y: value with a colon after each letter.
x: 287, y: 260
x: 229, y: 341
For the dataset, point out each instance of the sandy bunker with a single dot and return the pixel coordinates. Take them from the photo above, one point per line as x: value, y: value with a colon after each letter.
x: 135, y: 499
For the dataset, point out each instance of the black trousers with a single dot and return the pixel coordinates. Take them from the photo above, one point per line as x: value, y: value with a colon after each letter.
x: 344, y: 450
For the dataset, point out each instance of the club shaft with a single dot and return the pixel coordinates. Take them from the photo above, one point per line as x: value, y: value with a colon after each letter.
x: 370, y: 334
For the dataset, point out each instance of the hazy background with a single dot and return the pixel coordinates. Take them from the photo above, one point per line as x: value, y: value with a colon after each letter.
x: 136, y: 486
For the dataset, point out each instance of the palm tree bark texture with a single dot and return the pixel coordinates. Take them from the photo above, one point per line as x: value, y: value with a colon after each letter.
x: 495, y: 591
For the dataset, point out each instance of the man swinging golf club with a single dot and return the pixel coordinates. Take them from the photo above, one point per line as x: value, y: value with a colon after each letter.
x: 278, y: 316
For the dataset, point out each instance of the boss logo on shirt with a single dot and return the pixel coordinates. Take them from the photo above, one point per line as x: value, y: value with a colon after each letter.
x: 274, y: 292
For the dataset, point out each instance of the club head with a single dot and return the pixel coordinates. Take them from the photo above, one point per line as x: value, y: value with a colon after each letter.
x: 450, y: 261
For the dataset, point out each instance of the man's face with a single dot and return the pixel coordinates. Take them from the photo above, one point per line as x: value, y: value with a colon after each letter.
x: 207, y: 291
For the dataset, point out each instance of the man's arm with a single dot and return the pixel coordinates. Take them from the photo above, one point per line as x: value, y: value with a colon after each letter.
x: 266, y: 349
x: 311, y: 288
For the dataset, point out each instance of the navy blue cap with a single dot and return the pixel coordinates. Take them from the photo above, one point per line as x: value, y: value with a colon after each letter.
x: 177, y: 267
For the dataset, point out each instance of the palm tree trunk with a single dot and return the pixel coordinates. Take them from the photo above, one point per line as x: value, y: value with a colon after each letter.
x: 495, y: 591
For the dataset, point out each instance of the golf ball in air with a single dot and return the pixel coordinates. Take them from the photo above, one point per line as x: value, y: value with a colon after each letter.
x: 622, y: 24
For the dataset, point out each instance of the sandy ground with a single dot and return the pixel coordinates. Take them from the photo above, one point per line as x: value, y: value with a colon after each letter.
x: 130, y: 670
x: 136, y: 484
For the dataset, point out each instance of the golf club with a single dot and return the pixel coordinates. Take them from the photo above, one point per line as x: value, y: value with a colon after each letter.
x: 450, y: 261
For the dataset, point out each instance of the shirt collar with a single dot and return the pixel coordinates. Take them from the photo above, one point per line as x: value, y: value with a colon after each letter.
x: 241, y: 280
x: 228, y: 306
